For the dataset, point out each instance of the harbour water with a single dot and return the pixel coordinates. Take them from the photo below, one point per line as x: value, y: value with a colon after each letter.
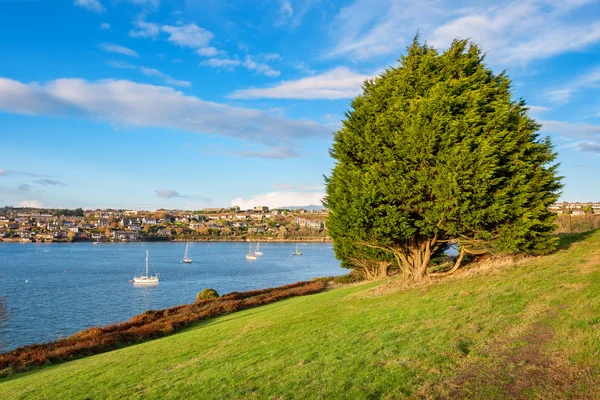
x: 55, y: 290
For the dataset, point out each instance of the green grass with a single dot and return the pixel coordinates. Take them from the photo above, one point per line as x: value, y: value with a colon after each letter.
x: 525, y: 331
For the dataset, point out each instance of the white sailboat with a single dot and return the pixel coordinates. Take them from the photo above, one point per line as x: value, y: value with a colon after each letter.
x: 297, y: 253
x: 186, y: 259
x: 257, y: 250
x: 146, y: 280
x: 250, y: 255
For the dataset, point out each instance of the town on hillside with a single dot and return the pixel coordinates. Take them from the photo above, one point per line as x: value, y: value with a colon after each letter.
x: 210, y: 224
x: 575, y: 208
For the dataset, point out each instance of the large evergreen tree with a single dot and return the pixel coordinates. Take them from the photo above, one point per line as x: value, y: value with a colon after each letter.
x: 435, y: 152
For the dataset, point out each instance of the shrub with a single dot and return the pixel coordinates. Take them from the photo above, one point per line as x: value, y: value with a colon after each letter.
x: 148, y: 325
x: 207, y: 294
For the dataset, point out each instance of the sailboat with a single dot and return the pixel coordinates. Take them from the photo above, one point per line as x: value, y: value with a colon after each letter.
x: 250, y: 255
x: 146, y: 280
x: 186, y: 259
x: 257, y: 251
x: 297, y: 253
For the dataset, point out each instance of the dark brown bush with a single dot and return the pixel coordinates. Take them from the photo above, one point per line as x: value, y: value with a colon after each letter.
x: 148, y: 325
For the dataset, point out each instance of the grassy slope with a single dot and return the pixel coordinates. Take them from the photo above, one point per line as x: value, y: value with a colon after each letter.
x: 527, y: 331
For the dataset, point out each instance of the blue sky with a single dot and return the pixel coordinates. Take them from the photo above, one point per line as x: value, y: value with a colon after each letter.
x: 192, y: 104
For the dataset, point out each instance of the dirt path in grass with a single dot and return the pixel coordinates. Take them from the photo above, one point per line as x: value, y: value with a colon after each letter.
x: 518, y: 368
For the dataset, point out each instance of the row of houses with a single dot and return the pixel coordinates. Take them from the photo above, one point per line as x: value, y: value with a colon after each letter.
x: 575, y: 208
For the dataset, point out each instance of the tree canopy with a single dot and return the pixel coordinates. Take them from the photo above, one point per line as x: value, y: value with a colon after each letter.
x: 436, y: 152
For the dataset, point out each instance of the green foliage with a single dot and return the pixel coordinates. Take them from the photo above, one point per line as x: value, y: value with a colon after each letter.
x: 207, y: 293
x: 436, y: 151
x: 371, y: 341
x: 78, y: 212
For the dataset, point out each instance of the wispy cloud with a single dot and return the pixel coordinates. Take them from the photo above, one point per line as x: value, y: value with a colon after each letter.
x: 9, y: 172
x: 105, y: 26
x: 297, y: 187
x: 144, y: 29
x: 134, y: 104
x: 145, y: 3
x: 115, y: 48
x: 190, y: 35
x: 168, y: 193
x: 579, y: 130
x: 536, y: 110
x: 588, y: 147
x: 24, y: 187
x: 563, y: 95
x: 50, y: 182
x: 285, y: 12
x: 221, y: 63
x: 259, y: 67
x: 513, y: 32
x: 280, y: 199
x: 164, y: 77
x: 274, y: 153
x: 587, y: 136
x: 521, y: 31
x: 90, y: 5
x: 31, y: 204
x: 151, y: 72
x: 338, y: 83
x: 208, y: 51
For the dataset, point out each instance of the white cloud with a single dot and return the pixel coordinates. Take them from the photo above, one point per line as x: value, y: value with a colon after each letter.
x: 274, y: 153
x: 207, y: 51
x: 513, y: 32
x: 115, y: 48
x: 4, y: 172
x: 369, y: 28
x: 561, y: 96
x: 286, y: 9
x: 133, y: 104
x: 271, y: 56
x: 577, y: 130
x: 190, y: 35
x: 166, y: 78
x: 260, y: 68
x: 151, y: 72
x: 280, y: 199
x: 222, y: 63
x: 588, y: 147
x: 285, y: 12
x: 105, y: 26
x: 146, y: 3
x: 297, y: 187
x: 338, y: 83
x: 519, y: 32
x: 590, y: 79
x: 31, y: 204
x: 50, y: 182
x: 90, y: 5
x: 144, y: 29
x: 168, y: 193
x: 535, y: 110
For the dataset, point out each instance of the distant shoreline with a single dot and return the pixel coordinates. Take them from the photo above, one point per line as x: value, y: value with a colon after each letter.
x: 264, y: 240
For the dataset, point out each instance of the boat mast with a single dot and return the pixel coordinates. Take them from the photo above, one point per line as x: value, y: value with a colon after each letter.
x: 146, y: 263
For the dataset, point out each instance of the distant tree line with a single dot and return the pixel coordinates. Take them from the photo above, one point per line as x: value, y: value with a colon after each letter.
x: 78, y: 212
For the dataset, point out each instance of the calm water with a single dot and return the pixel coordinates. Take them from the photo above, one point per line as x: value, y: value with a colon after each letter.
x: 74, y: 286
